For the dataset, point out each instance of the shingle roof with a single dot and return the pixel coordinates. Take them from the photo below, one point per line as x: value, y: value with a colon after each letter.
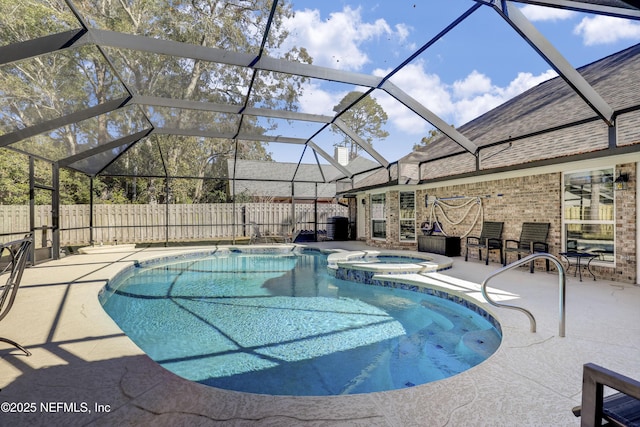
x: 550, y: 104
x: 261, y: 178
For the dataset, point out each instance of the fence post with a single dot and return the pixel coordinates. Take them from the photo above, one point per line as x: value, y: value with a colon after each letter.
x: 166, y: 212
x: 91, y: 211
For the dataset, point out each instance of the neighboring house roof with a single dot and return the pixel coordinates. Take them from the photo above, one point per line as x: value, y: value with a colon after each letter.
x: 528, y: 120
x: 271, y: 179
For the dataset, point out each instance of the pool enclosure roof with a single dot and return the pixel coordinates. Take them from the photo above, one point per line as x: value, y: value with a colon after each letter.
x: 204, y: 89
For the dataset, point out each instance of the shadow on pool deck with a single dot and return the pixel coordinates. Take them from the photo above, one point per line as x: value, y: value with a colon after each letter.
x: 85, y: 370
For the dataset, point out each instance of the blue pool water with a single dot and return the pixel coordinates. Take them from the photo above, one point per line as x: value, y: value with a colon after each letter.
x: 282, y: 325
x: 396, y: 259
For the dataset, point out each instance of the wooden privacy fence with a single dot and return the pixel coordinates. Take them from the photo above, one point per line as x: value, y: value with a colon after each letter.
x: 148, y: 223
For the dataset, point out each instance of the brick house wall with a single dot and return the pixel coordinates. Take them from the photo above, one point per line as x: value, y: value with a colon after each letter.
x: 533, y: 198
x: 626, y: 220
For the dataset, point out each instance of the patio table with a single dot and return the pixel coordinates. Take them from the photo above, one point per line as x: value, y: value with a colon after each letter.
x: 578, y: 257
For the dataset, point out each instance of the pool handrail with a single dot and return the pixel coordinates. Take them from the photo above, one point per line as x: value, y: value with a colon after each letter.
x: 562, y: 288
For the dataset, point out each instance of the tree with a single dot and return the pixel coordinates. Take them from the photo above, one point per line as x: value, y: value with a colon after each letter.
x: 432, y: 136
x: 235, y: 26
x: 14, y: 178
x: 426, y: 140
x: 366, y: 119
x: 50, y: 86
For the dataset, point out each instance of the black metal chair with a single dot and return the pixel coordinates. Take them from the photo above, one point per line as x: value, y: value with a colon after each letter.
x: 17, y: 253
x: 533, y: 239
x: 490, y: 239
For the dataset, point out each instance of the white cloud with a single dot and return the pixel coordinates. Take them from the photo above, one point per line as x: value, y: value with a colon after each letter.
x: 400, y: 117
x: 594, y: 30
x: 524, y: 81
x: 468, y: 109
x: 481, y: 96
x: 605, y: 30
x: 403, y: 31
x: 425, y: 88
x: 457, y: 103
x: 541, y: 13
x: 336, y: 41
x: 315, y: 100
x: 473, y: 84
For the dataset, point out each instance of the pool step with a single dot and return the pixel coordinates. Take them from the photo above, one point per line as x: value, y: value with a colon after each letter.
x: 478, y: 344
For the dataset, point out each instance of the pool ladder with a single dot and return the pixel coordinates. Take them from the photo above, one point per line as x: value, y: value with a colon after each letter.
x: 562, y: 287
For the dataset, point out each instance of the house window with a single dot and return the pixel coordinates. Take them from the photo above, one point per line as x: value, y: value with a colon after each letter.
x: 589, y: 219
x: 408, y: 216
x: 378, y: 216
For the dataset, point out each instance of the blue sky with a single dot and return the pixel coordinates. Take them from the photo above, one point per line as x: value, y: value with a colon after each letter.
x: 476, y: 67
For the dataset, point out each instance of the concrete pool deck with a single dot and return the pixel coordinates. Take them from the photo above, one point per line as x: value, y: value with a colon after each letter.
x: 84, y: 370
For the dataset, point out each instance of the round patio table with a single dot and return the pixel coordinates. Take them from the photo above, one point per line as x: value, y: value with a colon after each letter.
x: 578, y: 256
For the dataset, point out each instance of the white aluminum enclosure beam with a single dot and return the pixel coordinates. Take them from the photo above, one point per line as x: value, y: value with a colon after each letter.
x: 521, y: 24
x: 42, y: 45
x: 361, y: 142
x: 75, y: 117
x: 330, y: 159
x: 429, y: 116
x: 287, y: 115
x: 125, y: 140
x: 609, y: 8
x: 157, y: 101
x: 229, y: 135
x: 240, y: 59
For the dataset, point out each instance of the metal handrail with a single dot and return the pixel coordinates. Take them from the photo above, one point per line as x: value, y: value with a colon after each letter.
x: 530, y: 258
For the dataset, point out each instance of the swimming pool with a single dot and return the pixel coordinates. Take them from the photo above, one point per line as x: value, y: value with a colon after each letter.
x: 280, y: 324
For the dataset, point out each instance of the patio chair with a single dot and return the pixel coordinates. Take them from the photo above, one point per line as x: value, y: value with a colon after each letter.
x: 17, y: 255
x: 296, y: 234
x: 256, y: 235
x: 291, y: 237
x: 618, y: 409
x: 533, y: 239
x: 490, y: 240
